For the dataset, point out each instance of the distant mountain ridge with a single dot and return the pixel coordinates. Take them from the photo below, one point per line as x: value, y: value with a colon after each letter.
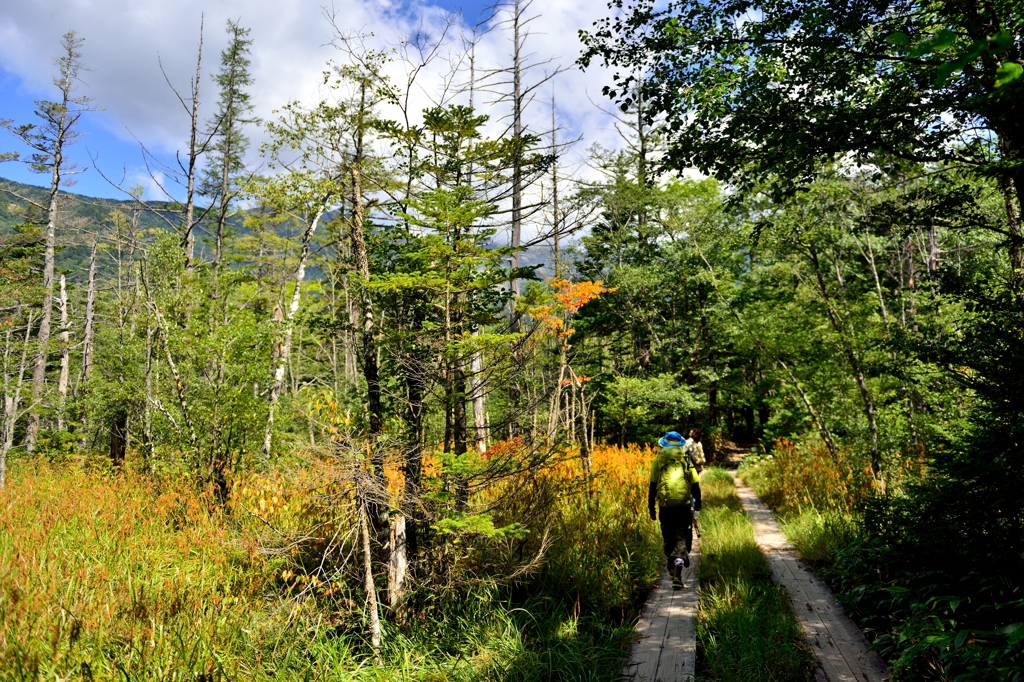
x: 78, y: 205
x: 96, y: 212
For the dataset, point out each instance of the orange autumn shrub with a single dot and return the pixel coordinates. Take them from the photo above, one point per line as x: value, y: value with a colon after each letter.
x: 803, y: 475
x: 606, y: 551
x: 796, y: 476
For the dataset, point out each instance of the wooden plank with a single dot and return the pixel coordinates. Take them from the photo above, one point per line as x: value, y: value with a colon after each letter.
x: 638, y: 650
x: 839, y: 646
x: 666, y: 648
x: 679, y: 655
x: 648, y: 654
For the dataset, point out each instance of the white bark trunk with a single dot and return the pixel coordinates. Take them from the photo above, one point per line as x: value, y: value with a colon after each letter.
x: 147, y: 414
x: 89, y: 334
x: 479, y: 401
x: 12, y: 397
x: 65, y: 355
x: 398, y: 565
x: 194, y: 152
x: 43, y: 335
x: 286, y: 342
x: 517, y: 133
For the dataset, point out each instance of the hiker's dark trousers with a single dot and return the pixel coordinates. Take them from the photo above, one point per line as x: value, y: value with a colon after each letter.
x: 676, y: 529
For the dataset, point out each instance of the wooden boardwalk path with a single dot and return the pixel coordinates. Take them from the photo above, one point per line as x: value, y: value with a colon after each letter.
x: 839, y: 647
x: 667, y: 646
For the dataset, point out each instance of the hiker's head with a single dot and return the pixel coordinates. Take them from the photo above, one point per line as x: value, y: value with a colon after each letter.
x: 695, y: 434
x: 671, y: 439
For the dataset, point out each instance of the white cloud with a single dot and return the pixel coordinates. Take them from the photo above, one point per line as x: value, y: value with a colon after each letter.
x: 125, y: 38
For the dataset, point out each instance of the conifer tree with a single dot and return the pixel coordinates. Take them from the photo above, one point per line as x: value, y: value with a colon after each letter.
x: 226, y: 161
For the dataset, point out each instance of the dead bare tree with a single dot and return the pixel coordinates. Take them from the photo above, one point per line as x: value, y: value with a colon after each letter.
x: 197, y: 146
x: 12, y: 385
x: 49, y: 141
x: 65, y: 355
x: 88, y: 340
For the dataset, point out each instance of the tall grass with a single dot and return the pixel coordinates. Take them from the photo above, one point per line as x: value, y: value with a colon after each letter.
x: 815, y: 497
x: 607, y: 551
x: 103, y: 576
x: 141, y: 577
x: 812, y: 496
x: 745, y: 631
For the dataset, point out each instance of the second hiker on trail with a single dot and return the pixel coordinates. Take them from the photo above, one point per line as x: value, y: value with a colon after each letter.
x: 674, y: 485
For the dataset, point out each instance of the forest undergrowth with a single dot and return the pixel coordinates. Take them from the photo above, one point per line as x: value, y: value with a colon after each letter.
x: 139, y: 576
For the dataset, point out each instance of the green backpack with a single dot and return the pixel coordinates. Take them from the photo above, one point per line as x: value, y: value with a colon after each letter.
x: 674, y: 478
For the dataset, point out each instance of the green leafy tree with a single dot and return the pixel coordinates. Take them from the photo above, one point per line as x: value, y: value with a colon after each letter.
x: 775, y: 92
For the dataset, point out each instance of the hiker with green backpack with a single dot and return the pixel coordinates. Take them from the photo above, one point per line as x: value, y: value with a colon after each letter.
x: 674, y: 485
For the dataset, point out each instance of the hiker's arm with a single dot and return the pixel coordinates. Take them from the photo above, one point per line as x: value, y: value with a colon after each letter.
x: 652, y: 492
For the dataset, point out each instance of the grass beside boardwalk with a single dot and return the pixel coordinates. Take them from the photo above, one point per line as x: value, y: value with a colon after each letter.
x: 745, y: 630
x: 811, y: 497
x: 141, y: 577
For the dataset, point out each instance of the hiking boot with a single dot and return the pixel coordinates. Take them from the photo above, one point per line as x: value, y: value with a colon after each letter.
x: 677, y: 573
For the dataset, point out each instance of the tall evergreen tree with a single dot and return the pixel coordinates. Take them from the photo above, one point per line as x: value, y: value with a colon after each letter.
x: 234, y: 111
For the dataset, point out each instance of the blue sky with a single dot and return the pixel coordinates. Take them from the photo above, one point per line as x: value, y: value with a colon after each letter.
x: 125, y: 38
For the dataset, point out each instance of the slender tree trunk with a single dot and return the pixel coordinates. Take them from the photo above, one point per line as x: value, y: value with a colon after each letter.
x: 286, y: 342
x: 459, y: 435
x: 118, y: 438
x: 517, y: 134
x: 584, y: 433
x: 65, y: 356
x: 854, y: 361
x: 12, y: 397
x: 515, y: 390
x: 368, y: 343
x: 934, y: 252
x: 555, y: 217
x: 179, y: 386
x: 43, y: 335
x: 195, y: 150
x: 368, y: 584
x: 225, y: 199
x: 398, y: 564
x: 555, y: 411
x: 818, y: 422
x: 89, y: 335
x: 147, y: 410
x: 406, y: 527
x: 870, y: 253
x: 476, y: 369
x: 88, y: 343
